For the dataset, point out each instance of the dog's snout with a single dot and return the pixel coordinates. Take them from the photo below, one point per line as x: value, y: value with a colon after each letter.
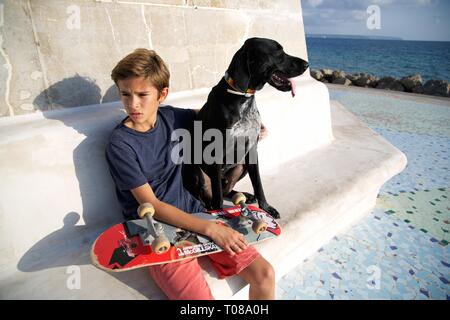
x: 302, y: 65
x: 299, y: 65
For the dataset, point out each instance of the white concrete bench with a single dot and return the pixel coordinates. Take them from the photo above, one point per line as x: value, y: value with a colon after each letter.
x: 322, y: 170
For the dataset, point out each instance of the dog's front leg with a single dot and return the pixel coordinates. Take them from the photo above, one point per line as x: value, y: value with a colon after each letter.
x: 255, y: 178
x: 216, y: 186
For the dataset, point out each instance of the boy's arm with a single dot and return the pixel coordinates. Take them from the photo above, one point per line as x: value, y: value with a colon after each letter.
x: 228, y: 239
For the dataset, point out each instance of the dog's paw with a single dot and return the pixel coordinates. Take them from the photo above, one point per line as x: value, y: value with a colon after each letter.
x: 207, y: 205
x: 271, y: 210
x: 250, y: 198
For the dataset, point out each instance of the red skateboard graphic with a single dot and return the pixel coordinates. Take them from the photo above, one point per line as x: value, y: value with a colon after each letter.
x: 145, y: 242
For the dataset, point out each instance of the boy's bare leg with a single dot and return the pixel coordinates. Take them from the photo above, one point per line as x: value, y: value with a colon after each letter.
x: 261, y: 277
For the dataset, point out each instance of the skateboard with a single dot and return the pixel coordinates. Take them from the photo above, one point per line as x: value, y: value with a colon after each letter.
x: 145, y: 242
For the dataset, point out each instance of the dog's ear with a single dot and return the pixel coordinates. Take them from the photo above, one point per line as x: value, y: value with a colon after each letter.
x: 257, y: 63
x: 239, y: 69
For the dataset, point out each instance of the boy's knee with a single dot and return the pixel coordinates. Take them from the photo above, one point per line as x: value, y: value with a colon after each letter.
x: 266, y: 273
x: 270, y: 272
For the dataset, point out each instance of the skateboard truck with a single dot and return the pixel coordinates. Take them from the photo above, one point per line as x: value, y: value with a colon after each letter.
x: 259, y: 225
x: 155, y: 231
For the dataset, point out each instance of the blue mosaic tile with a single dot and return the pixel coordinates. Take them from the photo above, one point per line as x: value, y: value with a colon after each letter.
x: 392, y: 254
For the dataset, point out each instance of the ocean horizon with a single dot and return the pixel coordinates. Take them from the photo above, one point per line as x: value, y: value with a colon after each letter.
x: 380, y: 57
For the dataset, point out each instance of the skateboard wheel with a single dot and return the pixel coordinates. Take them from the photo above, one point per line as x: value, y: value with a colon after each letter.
x: 144, y: 209
x: 160, y: 245
x: 259, y: 226
x: 238, y: 198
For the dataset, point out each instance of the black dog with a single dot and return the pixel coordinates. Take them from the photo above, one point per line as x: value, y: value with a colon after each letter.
x: 231, y: 105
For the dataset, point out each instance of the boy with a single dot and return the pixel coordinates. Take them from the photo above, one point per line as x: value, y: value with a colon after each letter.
x: 138, y: 155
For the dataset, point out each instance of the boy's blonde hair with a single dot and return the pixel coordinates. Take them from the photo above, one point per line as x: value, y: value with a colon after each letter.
x: 143, y: 63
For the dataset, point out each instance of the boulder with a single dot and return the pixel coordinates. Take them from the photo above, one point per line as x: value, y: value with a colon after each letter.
x: 436, y: 88
x: 327, y: 75
x: 362, y: 80
x: 342, y: 80
x: 373, y: 81
x: 390, y: 83
x: 418, y: 89
x: 327, y: 72
x: 397, y: 86
x: 411, y: 82
x: 352, y: 77
x: 338, y: 74
x: 316, y: 74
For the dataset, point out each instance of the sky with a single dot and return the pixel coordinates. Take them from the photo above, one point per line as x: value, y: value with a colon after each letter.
x: 427, y: 20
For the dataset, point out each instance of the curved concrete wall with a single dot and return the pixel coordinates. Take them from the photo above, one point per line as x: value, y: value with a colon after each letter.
x: 59, y: 53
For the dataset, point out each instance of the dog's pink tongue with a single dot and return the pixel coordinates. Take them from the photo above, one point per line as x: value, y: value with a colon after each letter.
x: 292, y: 81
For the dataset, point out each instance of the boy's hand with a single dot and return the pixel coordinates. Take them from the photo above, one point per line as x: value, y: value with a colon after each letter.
x: 263, y: 132
x: 228, y: 239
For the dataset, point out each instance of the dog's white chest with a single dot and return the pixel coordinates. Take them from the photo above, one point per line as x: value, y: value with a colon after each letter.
x: 243, y: 135
x: 249, y: 124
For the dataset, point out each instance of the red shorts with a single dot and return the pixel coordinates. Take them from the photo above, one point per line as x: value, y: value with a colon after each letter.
x: 184, y: 280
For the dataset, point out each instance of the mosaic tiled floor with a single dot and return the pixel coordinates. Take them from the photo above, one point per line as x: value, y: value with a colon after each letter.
x: 401, y: 250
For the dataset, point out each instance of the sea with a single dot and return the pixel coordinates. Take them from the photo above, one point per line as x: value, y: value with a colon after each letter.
x: 396, y: 58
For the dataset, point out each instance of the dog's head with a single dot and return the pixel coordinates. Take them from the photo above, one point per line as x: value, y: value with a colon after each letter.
x: 262, y: 60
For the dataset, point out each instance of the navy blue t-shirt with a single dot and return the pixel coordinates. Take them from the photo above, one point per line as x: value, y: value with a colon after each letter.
x: 135, y: 158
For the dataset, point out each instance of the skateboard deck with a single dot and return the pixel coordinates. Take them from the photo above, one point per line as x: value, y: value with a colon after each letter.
x: 123, y: 247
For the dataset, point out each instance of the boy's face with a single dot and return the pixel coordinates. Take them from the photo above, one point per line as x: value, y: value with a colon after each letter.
x: 141, y: 101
